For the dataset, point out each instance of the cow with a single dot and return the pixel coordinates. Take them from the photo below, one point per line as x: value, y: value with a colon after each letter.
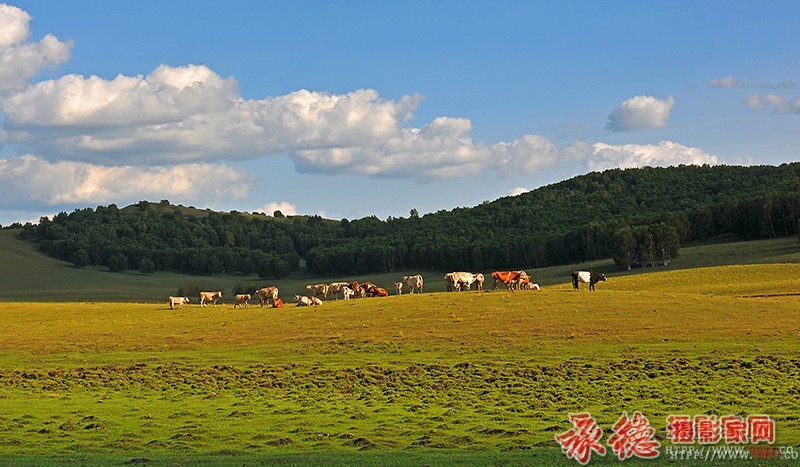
x: 414, y: 283
x: 510, y: 278
x: 318, y: 290
x: 348, y: 293
x: 335, y: 288
x: 363, y: 289
x: 530, y: 286
x: 265, y: 294
x: 277, y: 303
x: 302, y: 301
x: 589, y: 277
x: 177, y: 301
x: 450, y: 280
x: 356, y: 288
x: 375, y: 291
x: 212, y: 297
x: 398, y: 287
x: 479, y: 281
x: 240, y: 300
x: 459, y: 280
x: 315, y: 301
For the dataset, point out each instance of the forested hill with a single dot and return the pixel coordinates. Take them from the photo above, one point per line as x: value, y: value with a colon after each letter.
x: 637, y: 216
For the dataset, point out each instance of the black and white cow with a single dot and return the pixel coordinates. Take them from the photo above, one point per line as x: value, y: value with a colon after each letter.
x: 589, y: 277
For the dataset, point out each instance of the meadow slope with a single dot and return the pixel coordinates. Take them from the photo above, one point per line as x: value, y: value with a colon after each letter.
x: 473, y: 372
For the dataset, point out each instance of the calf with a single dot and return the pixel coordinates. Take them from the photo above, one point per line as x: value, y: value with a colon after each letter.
x: 240, y: 300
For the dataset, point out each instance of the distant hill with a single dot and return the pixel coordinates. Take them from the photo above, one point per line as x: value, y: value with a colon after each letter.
x: 639, y: 217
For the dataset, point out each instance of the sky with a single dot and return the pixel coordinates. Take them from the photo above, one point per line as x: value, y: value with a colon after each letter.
x: 360, y: 108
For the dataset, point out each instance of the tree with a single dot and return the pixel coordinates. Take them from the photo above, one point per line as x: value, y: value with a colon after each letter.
x: 147, y: 266
x: 117, y: 263
x: 278, y: 215
x: 80, y: 258
x: 624, y: 246
x: 414, y: 213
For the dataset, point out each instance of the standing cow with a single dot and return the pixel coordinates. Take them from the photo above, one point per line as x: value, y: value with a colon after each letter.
x: 414, y: 283
x: 267, y: 294
x: 240, y: 300
x: 177, y: 301
x: 587, y: 277
x: 212, y: 297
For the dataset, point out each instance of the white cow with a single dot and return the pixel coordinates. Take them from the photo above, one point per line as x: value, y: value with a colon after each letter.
x: 460, y: 280
x: 315, y: 301
x: 398, y: 287
x: 318, y: 290
x: 302, y: 301
x: 414, y: 283
x: 348, y: 293
x: 479, y: 280
x: 177, y: 301
x: 212, y: 297
x: 335, y: 288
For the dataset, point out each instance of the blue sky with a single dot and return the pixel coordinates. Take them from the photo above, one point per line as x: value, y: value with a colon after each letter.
x: 350, y: 109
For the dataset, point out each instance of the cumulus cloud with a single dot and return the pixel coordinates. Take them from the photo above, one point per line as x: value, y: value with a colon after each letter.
x: 286, y: 208
x: 31, y: 181
x: 640, y: 112
x: 667, y: 153
x: 190, y: 113
x: 779, y: 104
x: 440, y: 150
x: 22, y: 60
x: 518, y: 191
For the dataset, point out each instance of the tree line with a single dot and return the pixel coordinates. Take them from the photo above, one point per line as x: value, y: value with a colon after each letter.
x: 638, y: 217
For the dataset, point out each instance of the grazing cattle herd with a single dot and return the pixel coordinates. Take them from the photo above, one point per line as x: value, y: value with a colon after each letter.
x: 455, y: 282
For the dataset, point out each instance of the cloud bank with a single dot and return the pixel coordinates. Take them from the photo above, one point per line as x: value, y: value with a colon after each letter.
x: 33, y: 182
x: 169, y: 134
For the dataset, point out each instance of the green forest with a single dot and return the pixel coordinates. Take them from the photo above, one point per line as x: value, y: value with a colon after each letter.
x: 638, y: 217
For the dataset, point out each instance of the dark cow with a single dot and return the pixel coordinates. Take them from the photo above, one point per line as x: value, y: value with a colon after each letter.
x: 587, y: 277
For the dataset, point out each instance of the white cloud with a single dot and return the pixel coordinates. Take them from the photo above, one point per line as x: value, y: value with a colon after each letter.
x: 779, y: 104
x: 731, y: 82
x: 439, y: 150
x: 21, y: 60
x: 286, y: 208
x: 518, y: 191
x: 30, y: 181
x: 190, y: 113
x: 726, y: 82
x: 640, y: 112
x: 667, y: 153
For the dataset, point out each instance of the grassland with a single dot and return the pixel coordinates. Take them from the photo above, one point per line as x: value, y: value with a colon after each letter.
x: 494, y: 374
x: 88, y: 376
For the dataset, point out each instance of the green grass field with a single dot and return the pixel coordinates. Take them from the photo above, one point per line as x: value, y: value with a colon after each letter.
x: 477, y: 378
